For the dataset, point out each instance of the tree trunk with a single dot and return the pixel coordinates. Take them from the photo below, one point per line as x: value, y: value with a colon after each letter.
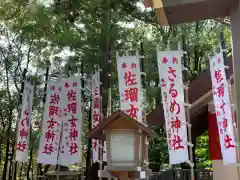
x: 11, y: 162
x: 19, y: 110
x: 106, y: 63
x: 88, y: 158
x: 30, y: 163
x: 39, y: 166
x: 6, y: 160
x: 105, y: 46
x: 1, y: 140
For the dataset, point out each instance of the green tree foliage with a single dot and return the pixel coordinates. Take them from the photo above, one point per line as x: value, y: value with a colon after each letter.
x: 202, y: 152
x: 71, y: 33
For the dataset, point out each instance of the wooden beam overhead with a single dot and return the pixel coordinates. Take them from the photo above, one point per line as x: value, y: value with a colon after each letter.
x: 171, y: 3
x: 181, y: 11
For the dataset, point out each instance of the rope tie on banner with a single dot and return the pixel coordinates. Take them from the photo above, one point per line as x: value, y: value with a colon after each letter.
x: 184, y: 68
x: 226, y: 67
x: 187, y: 105
x: 190, y: 144
x: 190, y: 164
x: 143, y: 74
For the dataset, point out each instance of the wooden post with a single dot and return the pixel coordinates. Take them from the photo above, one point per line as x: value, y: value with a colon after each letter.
x: 100, y: 150
x: 124, y: 176
x: 231, y: 93
x: 223, y: 49
x: 235, y: 27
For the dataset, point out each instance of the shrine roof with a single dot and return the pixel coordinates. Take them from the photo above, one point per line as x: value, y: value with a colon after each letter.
x: 97, y: 132
x: 200, y: 94
x: 181, y: 11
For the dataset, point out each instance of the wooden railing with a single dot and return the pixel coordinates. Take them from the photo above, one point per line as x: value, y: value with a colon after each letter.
x: 63, y: 175
x: 182, y: 174
x: 176, y: 174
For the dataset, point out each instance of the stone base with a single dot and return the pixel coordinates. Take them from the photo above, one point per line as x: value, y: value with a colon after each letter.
x: 111, y: 172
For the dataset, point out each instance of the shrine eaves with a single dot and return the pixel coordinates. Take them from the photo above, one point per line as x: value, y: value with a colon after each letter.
x: 181, y: 11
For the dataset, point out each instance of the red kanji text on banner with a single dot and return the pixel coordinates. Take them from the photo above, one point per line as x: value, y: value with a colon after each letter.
x: 171, y: 82
x: 24, y: 124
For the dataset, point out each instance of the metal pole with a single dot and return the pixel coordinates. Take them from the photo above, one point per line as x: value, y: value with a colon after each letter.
x: 188, y: 113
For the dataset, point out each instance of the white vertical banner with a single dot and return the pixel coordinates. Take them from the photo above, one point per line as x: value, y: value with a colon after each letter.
x: 70, y: 151
x: 51, y: 125
x: 223, y: 109
x: 129, y: 79
x: 96, y: 111
x: 96, y: 106
x: 24, y: 124
x: 171, y: 82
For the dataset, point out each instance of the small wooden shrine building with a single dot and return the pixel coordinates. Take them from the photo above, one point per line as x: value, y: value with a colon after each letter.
x: 203, y: 118
x: 126, y: 142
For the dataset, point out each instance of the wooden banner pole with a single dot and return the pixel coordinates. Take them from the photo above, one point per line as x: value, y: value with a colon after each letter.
x: 39, y: 166
x: 143, y: 83
x: 188, y: 113
x: 109, y: 106
x: 15, y: 164
x: 100, y: 150
x: 188, y: 117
